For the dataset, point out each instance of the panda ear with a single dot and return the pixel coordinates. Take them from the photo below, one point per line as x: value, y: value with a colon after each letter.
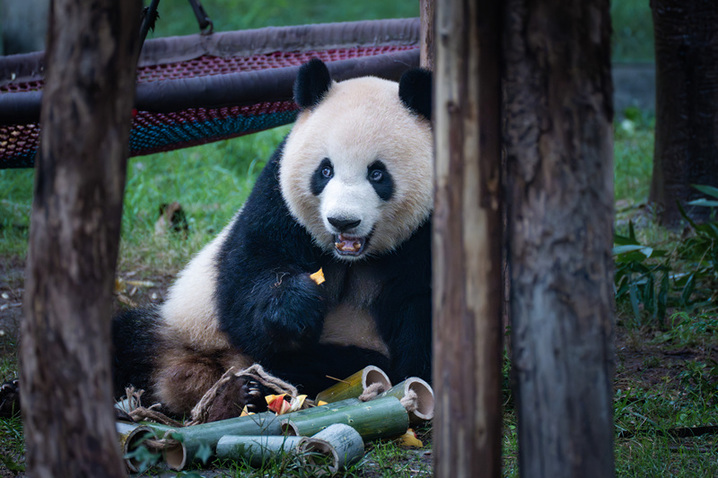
x: 312, y: 83
x: 415, y: 91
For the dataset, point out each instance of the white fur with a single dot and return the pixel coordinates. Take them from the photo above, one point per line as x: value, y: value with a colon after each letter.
x: 358, y: 122
x: 189, y: 310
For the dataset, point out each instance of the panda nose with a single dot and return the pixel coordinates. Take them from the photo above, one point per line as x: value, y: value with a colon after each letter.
x: 343, y: 224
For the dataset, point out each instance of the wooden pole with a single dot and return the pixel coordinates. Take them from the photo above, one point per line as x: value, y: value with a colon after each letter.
x: 467, y: 241
x: 558, y: 109
x: 426, y: 35
x: 65, y: 347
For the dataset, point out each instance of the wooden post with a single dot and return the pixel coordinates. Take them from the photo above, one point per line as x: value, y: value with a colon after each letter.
x: 467, y: 241
x: 559, y: 153
x: 427, y: 15
x: 74, y: 238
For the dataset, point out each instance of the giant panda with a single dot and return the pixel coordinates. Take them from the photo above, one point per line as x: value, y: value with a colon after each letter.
x: 349, y: 191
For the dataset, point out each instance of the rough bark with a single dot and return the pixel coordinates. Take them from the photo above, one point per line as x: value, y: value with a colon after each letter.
x: 467, y: 241
x: 686, y: 144
x: 558, y: 143
x: 427, y: 13
x: 74, y: 237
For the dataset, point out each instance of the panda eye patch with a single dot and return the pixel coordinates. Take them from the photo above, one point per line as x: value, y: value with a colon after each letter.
x: 381, y: 180
x: 321, y: 176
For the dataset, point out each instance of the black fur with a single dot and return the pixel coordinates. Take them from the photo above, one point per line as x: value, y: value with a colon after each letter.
x: 382, y: 183
x: 134, y: 343
x: 415, y: 91
x: 266, y: 301
x: 313, y: 82
x: 321, y: 176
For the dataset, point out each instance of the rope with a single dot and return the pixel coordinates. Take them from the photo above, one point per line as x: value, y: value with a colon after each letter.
x: 200, y: 412
x: 410, y: 401
x: 371, y: 392
x: 137, y: 412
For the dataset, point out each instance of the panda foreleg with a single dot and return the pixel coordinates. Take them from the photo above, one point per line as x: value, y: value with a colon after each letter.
x: 285, y: 309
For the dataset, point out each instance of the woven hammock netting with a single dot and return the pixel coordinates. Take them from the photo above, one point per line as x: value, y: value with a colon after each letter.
x: 197, y: 89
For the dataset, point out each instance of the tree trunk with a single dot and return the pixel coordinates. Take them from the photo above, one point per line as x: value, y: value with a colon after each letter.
x: 427, y: 10
x: 558, y: 143
x: 74, y: 237
x: 686, y: 145
x: 467, y: 241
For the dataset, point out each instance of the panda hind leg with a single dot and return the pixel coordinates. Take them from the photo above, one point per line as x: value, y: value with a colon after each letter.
x: 184, y: 376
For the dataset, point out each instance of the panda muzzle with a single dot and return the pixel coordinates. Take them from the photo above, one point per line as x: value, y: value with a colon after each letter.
x: 349, y: 245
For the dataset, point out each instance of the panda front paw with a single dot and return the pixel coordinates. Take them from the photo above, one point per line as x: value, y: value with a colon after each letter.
x: 10, y: 398
x: 294, y: 314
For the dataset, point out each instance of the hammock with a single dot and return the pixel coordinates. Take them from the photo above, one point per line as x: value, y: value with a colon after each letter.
x: 197, y: 89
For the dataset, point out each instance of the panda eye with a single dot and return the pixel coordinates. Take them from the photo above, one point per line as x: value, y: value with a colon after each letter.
x: 327, y: 172
x: 376, y: 175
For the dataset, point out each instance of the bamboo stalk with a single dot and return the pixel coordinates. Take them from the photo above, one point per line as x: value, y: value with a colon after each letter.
x: 417, y: 397
x: 379, y: 418
x: 340, y: 442
x: 257, y: 450
x: 131, y: 436
x: 355, y: 385
x: 192, y: 438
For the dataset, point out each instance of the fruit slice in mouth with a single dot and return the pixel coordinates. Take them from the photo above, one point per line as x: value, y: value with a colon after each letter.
x: 349, y: 245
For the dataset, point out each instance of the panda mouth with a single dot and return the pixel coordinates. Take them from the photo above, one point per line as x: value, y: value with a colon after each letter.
x: 346, y: 245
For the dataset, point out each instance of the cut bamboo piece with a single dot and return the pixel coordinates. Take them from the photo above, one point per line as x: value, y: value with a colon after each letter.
x: 131, y: 436
x: 379, y: 418
x: 355, y: 385
x: 340, y: 442
x: 257, y: 450
x: 417, y: 396
x: 191, y: 439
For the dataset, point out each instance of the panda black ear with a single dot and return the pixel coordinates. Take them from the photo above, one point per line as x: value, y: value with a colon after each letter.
x: 312, y: 83
x: 415, y: 91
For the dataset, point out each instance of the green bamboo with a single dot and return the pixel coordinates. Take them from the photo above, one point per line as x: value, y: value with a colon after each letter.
x: 353, y: 386
x: 341, y: 443
x: 131, y: 436
x: 257, y: 450
x: 379, y: 418
x: 421, y: 408
x: 194, y: 438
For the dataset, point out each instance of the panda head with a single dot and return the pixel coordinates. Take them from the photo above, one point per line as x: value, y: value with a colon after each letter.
x: 356, y: 170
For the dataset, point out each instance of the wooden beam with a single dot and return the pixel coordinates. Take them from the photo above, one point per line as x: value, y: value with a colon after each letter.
x: 74, y: 239
x: 467, y: 241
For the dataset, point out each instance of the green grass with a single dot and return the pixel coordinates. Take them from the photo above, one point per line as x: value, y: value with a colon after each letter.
x: 228, y: 15
x: 633, y: 157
